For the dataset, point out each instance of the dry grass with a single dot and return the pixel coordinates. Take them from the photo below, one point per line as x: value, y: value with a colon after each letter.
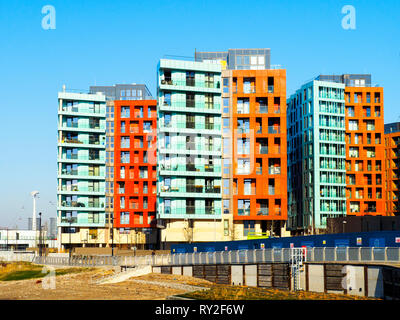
x: 225, y: 292
x: 26, y: 270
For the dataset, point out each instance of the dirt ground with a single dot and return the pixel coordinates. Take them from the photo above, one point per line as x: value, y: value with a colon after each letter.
x: 84, y: 286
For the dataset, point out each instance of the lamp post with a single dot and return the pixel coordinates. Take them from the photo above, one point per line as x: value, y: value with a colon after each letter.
x: 70, y: 242
x: 344, y: 223
x: 40, y: 234
x: 112, y: 235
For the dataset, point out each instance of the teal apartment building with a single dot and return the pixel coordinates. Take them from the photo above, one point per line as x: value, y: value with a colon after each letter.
x: 81, y: 169
x: 189, y: 150
x: 316, y: 156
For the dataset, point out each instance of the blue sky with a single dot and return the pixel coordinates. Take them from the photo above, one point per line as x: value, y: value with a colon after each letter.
x: 108, y: 42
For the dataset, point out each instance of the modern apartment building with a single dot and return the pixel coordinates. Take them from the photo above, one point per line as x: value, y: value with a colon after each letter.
x: 132, y: 92
x: 392, y: 168
x: 189, y: 151
x: 254, y: 152
x: 364, y: 145
x: 135, y: 174
x: 316, y: 156
x: 81, y: 169
x: 238, y: 59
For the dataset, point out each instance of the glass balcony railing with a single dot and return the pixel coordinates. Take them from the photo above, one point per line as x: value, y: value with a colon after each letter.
x: 69, y: 220
x: 273, y: 129
x: 244, y: 212
x: 262, y: 211
x: 191, y: 167
x: 191, y: 83
x: 262, y: 109
x: 274, y: 170
x: 263, y: 150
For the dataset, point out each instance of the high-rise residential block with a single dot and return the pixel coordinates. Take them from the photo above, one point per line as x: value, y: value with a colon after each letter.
x: 316, y: 156
x: 135, y: 174
x: 131, y: 92
x: 392, y: 168
x: 254, y: 152
x: 365, y: 159
x: 81, y: 169
x: 189, y: 150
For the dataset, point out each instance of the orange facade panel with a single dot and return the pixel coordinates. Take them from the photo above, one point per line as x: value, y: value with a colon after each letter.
x: 135, y: 163
x: 259, y: 145
x: 365, y: 151
x: 392, y: 174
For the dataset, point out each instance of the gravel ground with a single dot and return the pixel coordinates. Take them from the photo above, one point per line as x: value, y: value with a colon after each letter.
x: 83, y: 286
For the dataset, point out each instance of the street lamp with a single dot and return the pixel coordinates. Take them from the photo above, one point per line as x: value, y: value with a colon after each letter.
x: 344, y: 223
x: 112, y: 235
x: 69, y: 231
x: 40, y: 234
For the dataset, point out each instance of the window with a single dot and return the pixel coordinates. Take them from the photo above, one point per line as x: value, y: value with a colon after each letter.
x: 125, y: 112
x: 125, y: 142
x: 190, y: 100
x: 248, y: 227
x: 125, y: 157
x: 225, y: 105
x: 124, y: 217
x: 226, y: 206
x: 226, y: 85
x: 243, y: 106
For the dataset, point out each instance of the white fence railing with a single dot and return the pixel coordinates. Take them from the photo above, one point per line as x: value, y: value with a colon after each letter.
x: 338, y: 254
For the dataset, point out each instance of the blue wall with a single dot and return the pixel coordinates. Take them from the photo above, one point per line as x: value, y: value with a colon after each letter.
x: 368, y: 239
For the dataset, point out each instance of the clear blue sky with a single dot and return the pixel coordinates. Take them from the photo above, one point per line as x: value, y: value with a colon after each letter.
x: 108, y: 42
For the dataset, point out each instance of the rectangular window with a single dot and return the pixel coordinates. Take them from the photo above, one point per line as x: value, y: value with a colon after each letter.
x: 125, y: 112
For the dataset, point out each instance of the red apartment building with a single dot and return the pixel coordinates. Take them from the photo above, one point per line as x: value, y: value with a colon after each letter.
x: 135, y: 164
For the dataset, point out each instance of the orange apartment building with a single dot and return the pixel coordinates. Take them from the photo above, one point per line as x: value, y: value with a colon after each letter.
x: 135, y: 162
x: 392, y: 168
x: 365, y: 151
x: 259, y: 155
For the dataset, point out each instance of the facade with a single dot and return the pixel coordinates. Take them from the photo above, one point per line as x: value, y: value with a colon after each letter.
x: 116, y: 92
x: 124, y: 91
x: 316, y: 156
x: 189, y: 151
x: 364, y: 145
x: 254, y: 153
x: 81, y: 169
x: 135, y: 172
x: 238, y: 59
x: 392, y: 166
x: 365, y: 151
x: 19, y: 239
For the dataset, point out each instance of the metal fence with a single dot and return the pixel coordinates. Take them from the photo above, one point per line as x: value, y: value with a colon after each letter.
x: 338, y: 254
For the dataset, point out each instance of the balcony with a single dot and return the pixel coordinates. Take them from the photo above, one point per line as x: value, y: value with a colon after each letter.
x: 273, y: 129
x: 69, y: 220
x: 263, y: 149
x: 244, y: 212
x: 214, y: 189
x: 262, y: 109
x: 190, y: 125
x: 274, y: 170
x: 262, y: 211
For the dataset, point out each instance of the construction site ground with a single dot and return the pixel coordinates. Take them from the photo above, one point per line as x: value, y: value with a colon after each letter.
x: 86, y: 286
